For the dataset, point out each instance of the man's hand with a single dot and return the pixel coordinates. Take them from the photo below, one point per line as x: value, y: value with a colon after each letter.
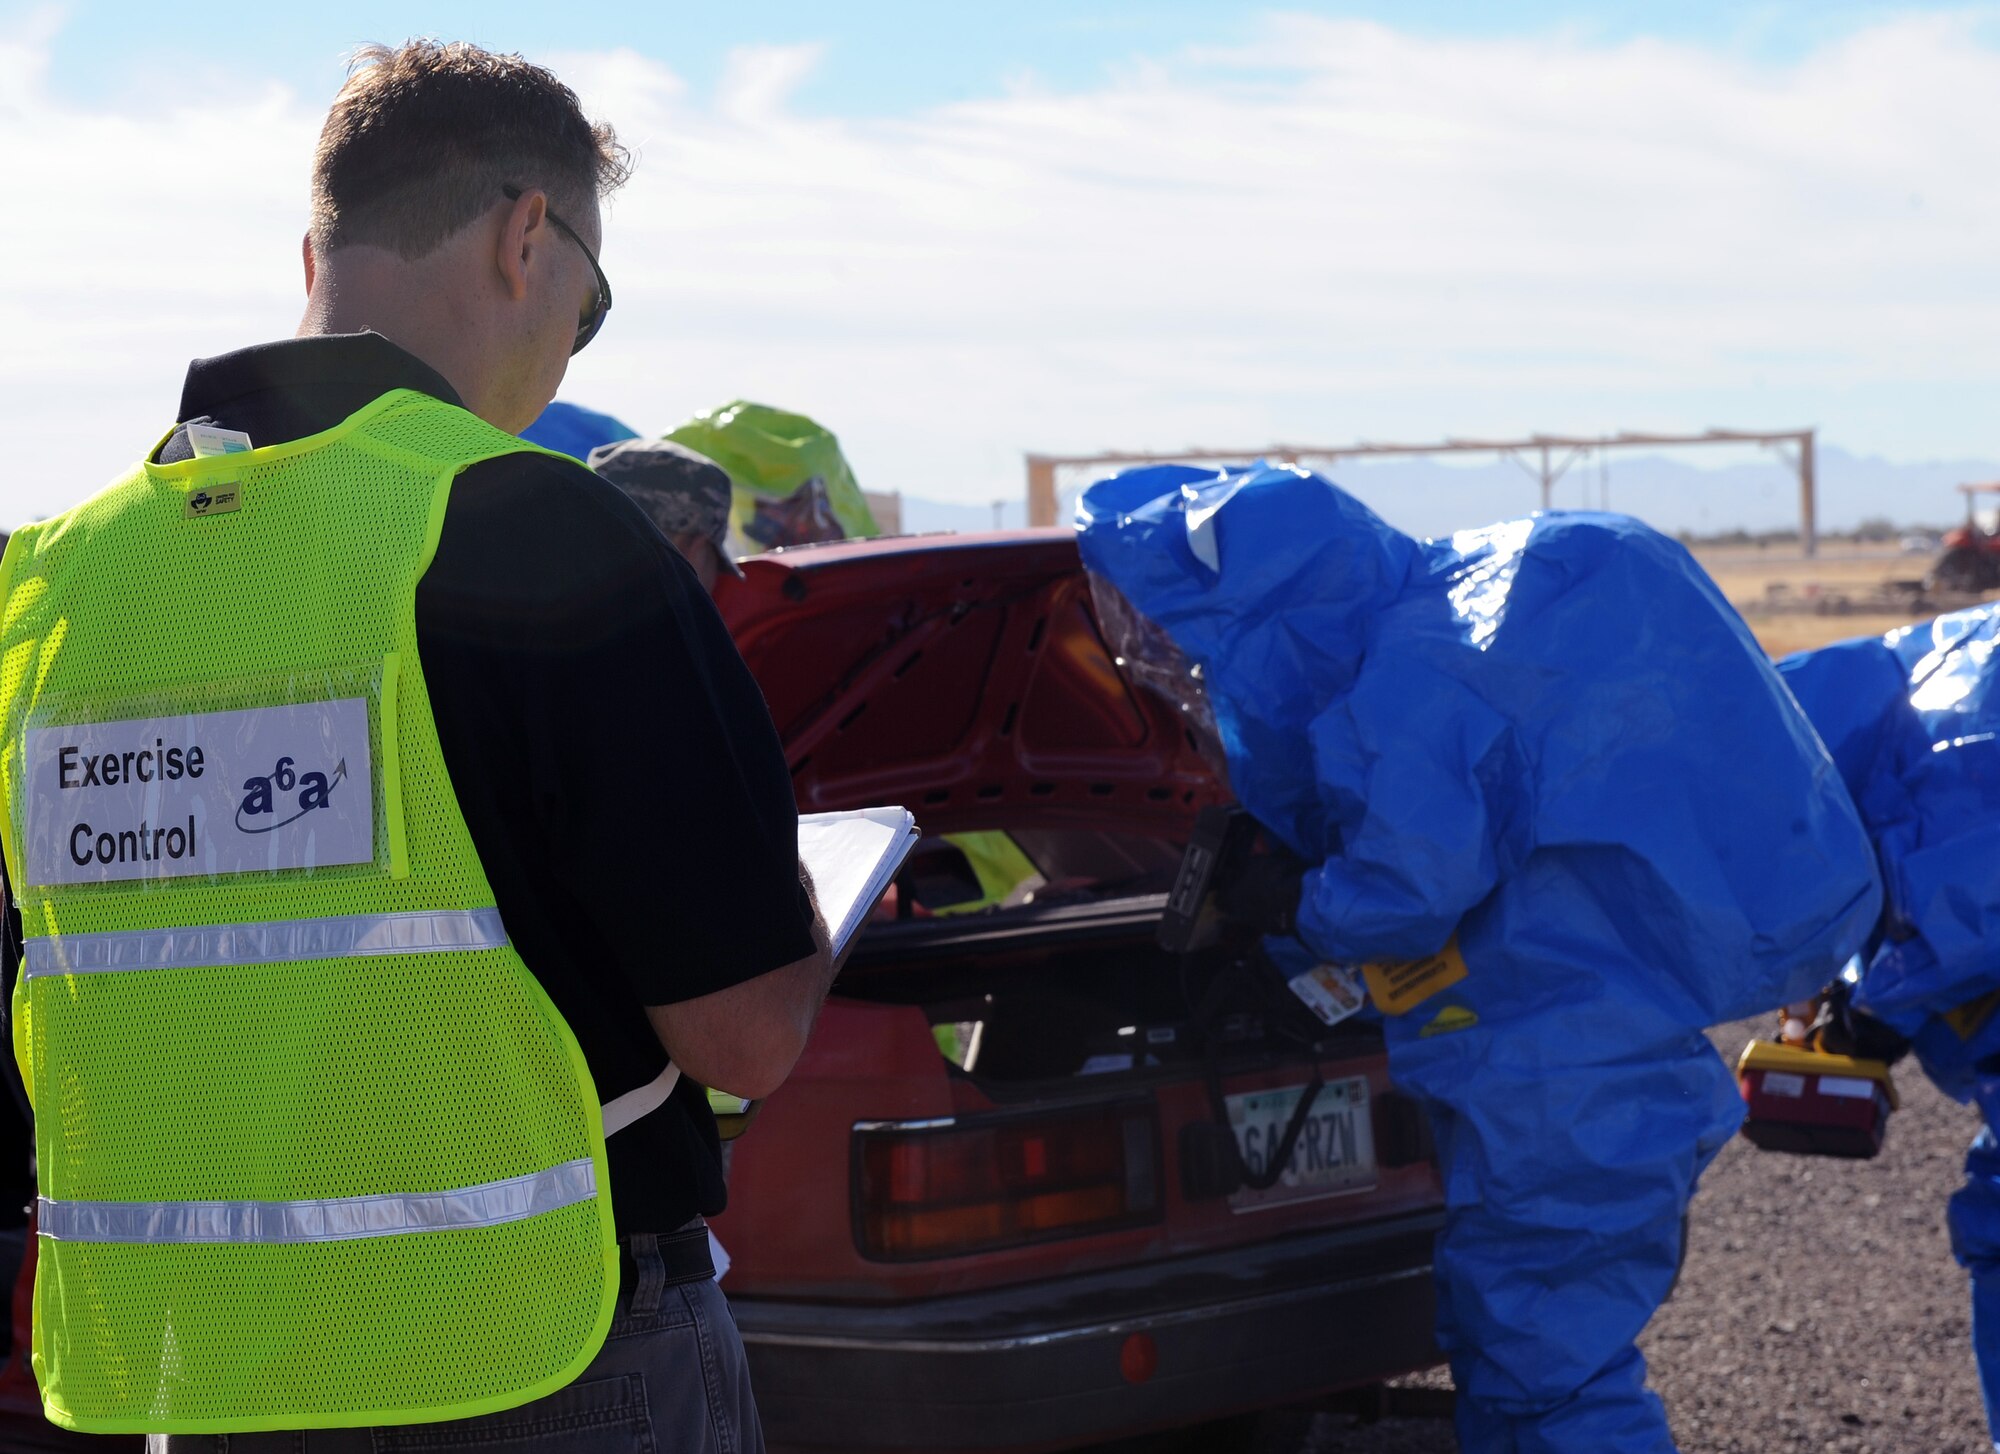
x: 1846, y: 1030
x: 744, y: 1040
x: 1265, y: 895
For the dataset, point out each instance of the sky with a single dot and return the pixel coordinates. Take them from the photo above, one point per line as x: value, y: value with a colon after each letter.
x: 958, y: 233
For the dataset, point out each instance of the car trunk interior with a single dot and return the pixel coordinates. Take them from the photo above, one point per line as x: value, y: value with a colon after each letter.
x: 970, y: 680
x: 1031, y: 1002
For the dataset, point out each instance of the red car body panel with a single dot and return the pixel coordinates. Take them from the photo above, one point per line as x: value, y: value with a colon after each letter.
x: 963, y: 677
x: 789, y: 1235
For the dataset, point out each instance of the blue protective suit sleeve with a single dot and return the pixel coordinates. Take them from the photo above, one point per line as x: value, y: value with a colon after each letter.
x: 1420, y: 841
x: 1950, y: 893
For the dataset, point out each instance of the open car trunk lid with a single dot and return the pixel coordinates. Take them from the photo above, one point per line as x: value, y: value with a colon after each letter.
x: 966, y: 678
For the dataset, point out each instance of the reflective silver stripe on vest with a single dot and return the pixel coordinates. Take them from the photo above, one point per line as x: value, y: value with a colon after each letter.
x: 232, y: 944
x: 334, y: 1219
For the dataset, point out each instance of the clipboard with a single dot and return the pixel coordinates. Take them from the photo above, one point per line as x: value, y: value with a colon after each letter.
x: 853, y: 857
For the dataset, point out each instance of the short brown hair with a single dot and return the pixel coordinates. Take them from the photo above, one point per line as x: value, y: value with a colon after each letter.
x: 423, y: 136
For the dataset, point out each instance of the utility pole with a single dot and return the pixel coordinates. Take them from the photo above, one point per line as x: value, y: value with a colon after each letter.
x: 1808, y: 494
x: 1041, y: 490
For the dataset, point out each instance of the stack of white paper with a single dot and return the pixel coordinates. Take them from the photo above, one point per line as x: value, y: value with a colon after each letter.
x: 852, y: 858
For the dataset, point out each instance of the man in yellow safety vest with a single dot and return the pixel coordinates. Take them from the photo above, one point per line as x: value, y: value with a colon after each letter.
x: 400, y: 847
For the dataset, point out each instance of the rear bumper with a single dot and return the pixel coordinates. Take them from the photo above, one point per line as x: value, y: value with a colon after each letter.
x: 1039, y: 1366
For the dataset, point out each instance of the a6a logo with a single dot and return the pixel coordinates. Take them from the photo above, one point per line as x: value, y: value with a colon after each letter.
x: 268, y: 796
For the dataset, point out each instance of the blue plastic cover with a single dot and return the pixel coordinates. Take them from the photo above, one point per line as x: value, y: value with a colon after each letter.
x: 1553, y: 739
x: 1913, y: 719
x: 1974, y: 1219
x: 575, y: 430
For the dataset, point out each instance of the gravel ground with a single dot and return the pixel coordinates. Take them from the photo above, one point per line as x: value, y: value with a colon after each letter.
x: 1819, y: 1309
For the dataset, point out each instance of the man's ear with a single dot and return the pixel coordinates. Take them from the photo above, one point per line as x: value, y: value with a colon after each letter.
x: 523, y: 230
x: 312, y: 263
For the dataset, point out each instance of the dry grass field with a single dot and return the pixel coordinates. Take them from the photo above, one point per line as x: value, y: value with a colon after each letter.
x: 1794, y: 603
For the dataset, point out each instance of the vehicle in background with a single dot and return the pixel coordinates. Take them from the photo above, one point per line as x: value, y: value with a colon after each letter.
x: 994, y: 1206
x: 1971, y: 558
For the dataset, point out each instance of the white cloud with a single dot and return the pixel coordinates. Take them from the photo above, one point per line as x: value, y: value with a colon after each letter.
x: 24, y: 53
x: 758, y: 80
x: 1339, y: 230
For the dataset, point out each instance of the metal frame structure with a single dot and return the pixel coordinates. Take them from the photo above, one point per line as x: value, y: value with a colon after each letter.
x: 1546, y: 457
x: 1972, y: 494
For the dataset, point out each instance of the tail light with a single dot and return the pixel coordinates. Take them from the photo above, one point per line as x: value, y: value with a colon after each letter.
x: 945, y: 1188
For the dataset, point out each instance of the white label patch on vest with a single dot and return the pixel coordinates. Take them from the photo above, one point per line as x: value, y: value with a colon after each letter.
x: 266, y: 789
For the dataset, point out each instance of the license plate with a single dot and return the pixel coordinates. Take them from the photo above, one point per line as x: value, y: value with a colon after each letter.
x: 1335, y: 1152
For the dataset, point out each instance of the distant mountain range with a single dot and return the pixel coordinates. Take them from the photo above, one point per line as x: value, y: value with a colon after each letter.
x: 1672, y: 493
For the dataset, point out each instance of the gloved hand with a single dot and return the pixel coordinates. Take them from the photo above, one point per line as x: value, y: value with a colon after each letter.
x: 1844, y: 1030
x: 1265, y: 894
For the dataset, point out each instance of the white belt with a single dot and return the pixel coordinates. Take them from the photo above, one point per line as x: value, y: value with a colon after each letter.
x: 622, y: 1111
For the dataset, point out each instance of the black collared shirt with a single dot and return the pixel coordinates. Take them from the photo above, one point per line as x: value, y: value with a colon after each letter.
x: 613, y: 757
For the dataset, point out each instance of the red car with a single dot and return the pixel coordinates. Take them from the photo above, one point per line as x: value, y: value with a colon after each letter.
x: 992, y: 1208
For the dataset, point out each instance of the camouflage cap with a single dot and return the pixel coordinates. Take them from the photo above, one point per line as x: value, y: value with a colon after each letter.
x: 679, y: 489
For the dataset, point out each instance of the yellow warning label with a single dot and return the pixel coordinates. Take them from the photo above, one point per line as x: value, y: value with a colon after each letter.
x: 1401, y: 986
x: 1448, y: 1019
x: 1967, y: 1018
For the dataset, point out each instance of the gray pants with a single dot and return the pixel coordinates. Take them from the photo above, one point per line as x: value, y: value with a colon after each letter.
x: 670, y: 1379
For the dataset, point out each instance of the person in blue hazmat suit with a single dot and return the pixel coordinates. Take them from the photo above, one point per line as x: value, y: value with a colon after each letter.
x: 1545, y: 784
x: 1913, y: 720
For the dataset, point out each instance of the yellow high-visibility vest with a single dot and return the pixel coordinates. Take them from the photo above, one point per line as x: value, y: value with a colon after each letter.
x: 315, y: 1149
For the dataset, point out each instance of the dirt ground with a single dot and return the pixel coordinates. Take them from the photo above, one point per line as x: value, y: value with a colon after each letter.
x: 1819, y: 1309
x: 1795, y: 603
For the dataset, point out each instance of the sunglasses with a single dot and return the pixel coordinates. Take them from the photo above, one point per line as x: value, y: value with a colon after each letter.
x: 587, y: 326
